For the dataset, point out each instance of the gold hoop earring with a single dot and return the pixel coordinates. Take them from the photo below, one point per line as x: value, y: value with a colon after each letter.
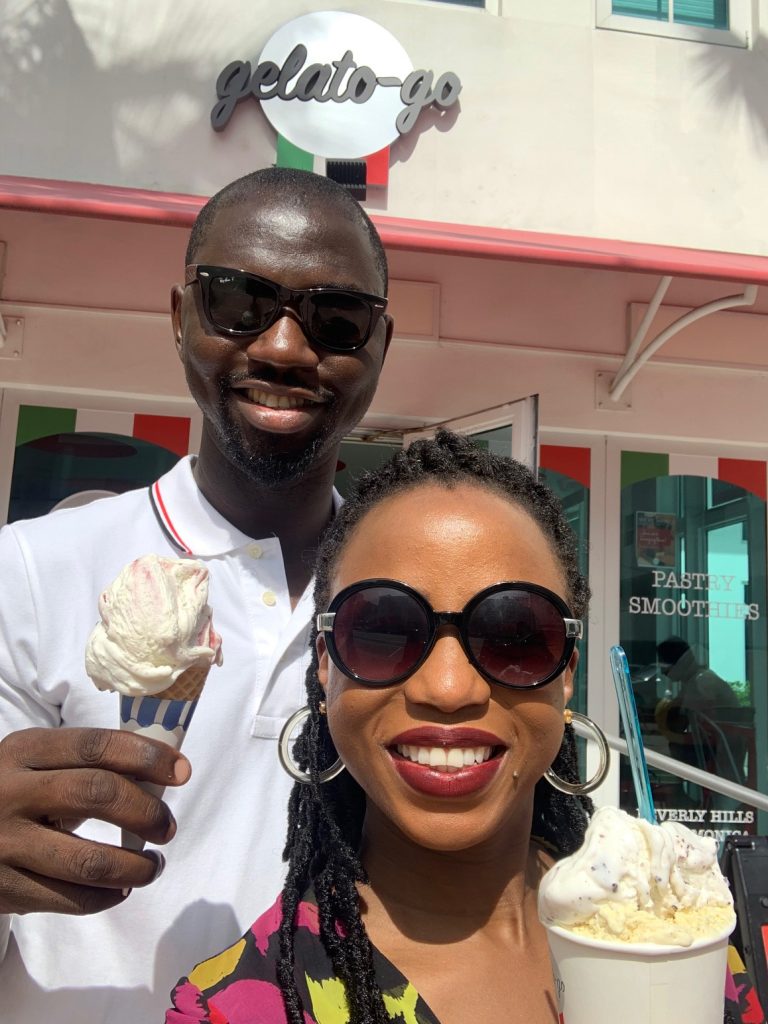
x: 581, y: 788
x: 286, y: 757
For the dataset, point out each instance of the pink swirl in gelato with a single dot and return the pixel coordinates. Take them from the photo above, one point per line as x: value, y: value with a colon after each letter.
x: 155, y: 624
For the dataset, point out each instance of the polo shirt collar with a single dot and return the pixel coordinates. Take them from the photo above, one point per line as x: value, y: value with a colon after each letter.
x: 191, y: 524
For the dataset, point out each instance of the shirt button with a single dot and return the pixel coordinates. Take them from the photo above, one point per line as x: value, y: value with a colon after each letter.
x: 269, y: 598
x: 255, y: 550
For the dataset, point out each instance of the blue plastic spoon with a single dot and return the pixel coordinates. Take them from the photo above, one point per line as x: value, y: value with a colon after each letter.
x: 628, y: 709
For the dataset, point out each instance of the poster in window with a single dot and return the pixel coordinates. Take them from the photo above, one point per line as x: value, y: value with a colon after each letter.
x: 655, y: 534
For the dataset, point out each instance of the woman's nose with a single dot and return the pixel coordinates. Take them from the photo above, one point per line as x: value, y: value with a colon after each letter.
x: 447, y: 681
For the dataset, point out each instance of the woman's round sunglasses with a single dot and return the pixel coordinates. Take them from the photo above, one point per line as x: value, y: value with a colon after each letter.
x: 242, y: 304
x: 380, y: 631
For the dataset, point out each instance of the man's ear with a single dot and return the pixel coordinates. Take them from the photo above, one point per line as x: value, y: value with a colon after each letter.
x: 177, y: 294
x: 568, y: 675
x: 322, y: 661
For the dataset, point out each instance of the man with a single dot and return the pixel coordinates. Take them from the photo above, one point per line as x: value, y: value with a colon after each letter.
x: 281, y: 374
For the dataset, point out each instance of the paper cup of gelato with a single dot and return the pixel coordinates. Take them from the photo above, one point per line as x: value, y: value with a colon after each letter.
x: 601, y: 982
x: 638, y: 921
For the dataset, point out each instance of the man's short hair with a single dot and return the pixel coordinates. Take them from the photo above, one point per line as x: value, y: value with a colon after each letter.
x: 295, y: 190
x: 672, y: 649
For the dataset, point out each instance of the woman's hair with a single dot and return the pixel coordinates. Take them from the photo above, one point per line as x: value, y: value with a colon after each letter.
x: 325, y: 821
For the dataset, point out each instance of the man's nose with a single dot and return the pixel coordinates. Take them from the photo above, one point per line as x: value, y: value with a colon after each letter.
x: 447, y: 681
x: 283, y: 343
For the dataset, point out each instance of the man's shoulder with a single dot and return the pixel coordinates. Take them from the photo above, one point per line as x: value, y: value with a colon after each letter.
x: 85, y: 525
x: 115, y: 521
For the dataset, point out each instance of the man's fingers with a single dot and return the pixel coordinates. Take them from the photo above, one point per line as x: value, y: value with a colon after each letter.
x: 34, y: 893
x: 61, y: 796
x: 51, y: 778
x: 48, y: 856
x: 110, y: 749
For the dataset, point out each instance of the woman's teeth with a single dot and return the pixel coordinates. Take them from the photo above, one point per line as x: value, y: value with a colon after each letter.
x: 445, y: 757
x: 276, y: 401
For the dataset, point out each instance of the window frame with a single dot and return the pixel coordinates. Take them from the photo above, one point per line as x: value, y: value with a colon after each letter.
x: 739, y: 33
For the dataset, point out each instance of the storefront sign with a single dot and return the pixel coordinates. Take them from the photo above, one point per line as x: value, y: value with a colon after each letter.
x: 688, y: 604
x: 334, y: 84
x: 709, y: 821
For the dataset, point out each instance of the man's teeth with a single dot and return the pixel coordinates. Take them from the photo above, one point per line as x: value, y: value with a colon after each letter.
x: 445, y: 757
x: 276, y: 401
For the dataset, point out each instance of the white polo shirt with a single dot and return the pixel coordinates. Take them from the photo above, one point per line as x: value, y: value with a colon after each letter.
x: 224, y: 864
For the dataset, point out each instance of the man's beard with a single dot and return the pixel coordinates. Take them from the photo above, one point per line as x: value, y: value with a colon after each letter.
x: 268, y: 468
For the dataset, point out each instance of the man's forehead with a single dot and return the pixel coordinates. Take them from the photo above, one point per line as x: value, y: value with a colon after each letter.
x: 306, y: 231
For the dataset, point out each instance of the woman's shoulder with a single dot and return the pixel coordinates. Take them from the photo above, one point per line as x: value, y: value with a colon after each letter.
x: 232, y: 984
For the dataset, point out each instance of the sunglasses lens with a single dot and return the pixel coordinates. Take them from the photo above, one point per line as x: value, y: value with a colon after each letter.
x: 518, y: 637
x: 379, y: 634
x: 339, y: 320
x: 240, y: 304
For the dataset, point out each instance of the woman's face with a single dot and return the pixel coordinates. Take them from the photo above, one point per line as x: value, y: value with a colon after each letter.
x: 448, y: 544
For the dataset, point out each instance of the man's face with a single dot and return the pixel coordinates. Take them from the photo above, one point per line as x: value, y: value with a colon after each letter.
x: 275, y: 404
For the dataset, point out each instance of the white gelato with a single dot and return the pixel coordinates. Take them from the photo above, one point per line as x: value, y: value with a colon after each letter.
x: 638, y: 882
x: 155, y: 624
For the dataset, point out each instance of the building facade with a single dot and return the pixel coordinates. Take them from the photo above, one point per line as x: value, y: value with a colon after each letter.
x: 584, y: 219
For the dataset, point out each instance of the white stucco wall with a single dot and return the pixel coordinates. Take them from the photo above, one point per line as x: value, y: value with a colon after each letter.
x: 562, y: 127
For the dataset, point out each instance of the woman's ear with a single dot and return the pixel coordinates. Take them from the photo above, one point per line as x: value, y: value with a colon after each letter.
x: 322, y: 661
x: 568, y: 675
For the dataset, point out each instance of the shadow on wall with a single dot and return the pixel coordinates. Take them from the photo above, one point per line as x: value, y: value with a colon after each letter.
x: 116, y: 108
x: 737, y: 80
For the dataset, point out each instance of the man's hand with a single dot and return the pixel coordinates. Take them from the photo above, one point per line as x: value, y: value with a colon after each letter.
x: 51, y: 779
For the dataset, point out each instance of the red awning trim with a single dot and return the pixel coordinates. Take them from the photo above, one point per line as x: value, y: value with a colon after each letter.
x: 81, y: 199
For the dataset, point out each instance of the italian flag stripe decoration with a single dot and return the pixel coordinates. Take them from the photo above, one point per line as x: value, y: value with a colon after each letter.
x: 169, y: 432
x: 750, y: 474
x: 289, y: 155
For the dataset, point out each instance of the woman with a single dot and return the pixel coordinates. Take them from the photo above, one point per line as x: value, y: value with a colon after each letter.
x: 413, y: 874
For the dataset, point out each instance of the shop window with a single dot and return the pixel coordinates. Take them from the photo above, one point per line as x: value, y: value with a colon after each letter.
x: 693, y: 624
x: 727, y: 22
x: 58, y: 457
x: 358, y: 457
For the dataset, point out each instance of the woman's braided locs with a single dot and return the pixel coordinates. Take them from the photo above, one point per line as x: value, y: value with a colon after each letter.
x: 325, y: 823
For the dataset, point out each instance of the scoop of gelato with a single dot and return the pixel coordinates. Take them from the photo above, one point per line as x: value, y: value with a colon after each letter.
x: 155, y: 624
x: 638, y: 882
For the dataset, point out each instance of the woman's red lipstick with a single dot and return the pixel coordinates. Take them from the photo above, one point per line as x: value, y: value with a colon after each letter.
x: 446, y: 781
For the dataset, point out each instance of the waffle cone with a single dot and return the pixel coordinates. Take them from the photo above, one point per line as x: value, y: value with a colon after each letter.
x: 188, y: 686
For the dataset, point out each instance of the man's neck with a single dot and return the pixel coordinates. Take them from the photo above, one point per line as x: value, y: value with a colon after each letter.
x: 296, y: 512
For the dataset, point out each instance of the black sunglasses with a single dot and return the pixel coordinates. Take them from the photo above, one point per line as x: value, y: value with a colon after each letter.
x: 379, y: 632
x: 242, y: 304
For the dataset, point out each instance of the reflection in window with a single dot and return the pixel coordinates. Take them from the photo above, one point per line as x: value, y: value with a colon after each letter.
x: 693, y: 607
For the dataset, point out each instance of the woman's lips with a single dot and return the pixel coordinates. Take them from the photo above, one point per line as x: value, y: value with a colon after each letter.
x: 446, y: 762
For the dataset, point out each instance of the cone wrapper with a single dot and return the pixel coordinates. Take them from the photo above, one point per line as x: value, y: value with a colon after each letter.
x: 164, y: 716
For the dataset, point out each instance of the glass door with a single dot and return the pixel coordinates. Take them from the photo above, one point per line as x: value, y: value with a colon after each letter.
x: 510, y: 429
x: 692, y: 621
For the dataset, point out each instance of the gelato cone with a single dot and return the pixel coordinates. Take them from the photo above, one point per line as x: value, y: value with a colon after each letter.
x: 155, y: 646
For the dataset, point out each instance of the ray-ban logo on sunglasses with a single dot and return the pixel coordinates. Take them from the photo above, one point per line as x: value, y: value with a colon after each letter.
x: 356, y: 87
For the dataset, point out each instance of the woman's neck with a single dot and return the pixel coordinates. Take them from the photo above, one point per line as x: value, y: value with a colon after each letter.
x: 428, y: 894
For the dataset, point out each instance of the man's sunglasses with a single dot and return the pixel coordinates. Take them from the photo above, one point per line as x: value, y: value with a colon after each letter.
x: 242, y: 304
x: 379, y: 632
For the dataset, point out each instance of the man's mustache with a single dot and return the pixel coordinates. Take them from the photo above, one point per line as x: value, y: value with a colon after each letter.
x: 267, y: 375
